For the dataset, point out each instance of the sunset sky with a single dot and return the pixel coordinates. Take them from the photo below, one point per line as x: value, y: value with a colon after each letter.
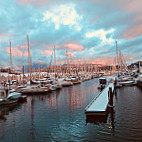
x: 87, y: 28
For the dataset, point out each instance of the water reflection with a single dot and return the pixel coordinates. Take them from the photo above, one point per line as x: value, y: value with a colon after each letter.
x: 111, y: 120
x: 5, y: 110
x: 59, y: 116
x: 106, y: 119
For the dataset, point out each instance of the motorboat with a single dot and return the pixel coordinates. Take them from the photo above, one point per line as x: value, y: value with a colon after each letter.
x: 126, y: 81
x: 102, y: 83
x: 8, y: 98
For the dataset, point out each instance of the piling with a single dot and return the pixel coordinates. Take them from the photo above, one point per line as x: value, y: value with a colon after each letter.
x: 110, y: 95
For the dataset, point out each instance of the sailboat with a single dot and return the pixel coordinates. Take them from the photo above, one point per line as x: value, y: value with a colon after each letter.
x: 8, y: 96
x: 123, y: 78
x: 33, y: 87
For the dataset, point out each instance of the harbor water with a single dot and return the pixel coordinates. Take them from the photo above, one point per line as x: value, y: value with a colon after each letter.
x: 59, y: 116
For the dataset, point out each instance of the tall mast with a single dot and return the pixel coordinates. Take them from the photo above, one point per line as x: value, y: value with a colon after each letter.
x: 10, y: 56
x: 54, y: 62
x: 23, y: 73
x: 29, y: 57
x: 117, y: 58
x: 67, y: 59
x: 120, y: 60
x: 0, y: 73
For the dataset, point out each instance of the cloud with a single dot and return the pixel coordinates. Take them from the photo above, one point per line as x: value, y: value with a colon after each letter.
x: 16, y: 52
x: 70, y: 54
x: 64, y: 14
x: 46, y: 52
x: 89, y: 26
x: 51, y: 46
x: 133, y: 32
x: 36, y: 2
x: 101, y: 34
x: 74, y: 47
x: 104, y: 61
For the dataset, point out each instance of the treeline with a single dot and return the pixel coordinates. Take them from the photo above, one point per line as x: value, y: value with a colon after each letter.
x: 5, y: 70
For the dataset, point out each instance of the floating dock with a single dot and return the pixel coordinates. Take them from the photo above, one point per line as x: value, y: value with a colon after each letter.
x: 98, y: 105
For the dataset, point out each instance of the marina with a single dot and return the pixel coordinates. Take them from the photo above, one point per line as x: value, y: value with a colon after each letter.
x: 68, y: 106
x: 70, y: 71
x: 59, y: 116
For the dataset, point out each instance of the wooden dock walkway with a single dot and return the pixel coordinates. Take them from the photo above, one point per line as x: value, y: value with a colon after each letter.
x: 98, y: 105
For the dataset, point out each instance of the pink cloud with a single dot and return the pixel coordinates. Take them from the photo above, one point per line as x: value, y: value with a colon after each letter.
x: 24, y: 47
x: 107, y: 60
x: 51, y: 46
x: 133, y: 32
x: 103, y: 61
x: 74, y: 47
x: 33, y: 1
x: 16, y: 52
x: 70, y: 54
x: 138, y: 18
x: 46, y: 52
x: 131, y: 6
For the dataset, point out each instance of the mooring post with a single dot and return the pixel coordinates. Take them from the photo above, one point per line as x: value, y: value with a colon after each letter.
x: 115, y: 82
x: 110, y: 96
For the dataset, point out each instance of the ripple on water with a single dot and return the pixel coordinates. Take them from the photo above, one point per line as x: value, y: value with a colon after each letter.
x: 59, y: 116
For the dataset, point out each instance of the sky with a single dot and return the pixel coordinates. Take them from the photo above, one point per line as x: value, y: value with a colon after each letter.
x: 87, y: 29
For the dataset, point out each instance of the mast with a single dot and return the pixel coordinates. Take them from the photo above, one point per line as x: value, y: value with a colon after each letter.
x: 29, y: 57
x: 0, y: 73
x: 10, y: 56
x: 54, y: 62
x: 117, y: 58
x: 23, y: 73
x: 124, y: 62
x: 67, y: 60
x: 121, y: 60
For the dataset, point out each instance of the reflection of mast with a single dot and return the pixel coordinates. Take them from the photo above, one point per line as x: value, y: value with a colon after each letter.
x: 112, y: 126
x: 32, y: 118
x: 29, y: 57
x: 2, y: 126
x: 57, y: 94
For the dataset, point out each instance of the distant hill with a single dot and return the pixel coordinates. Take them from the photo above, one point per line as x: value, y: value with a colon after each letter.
x: 134, y: 64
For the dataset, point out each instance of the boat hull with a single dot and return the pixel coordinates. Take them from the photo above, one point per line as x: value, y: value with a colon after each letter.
x: 14, y: 95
